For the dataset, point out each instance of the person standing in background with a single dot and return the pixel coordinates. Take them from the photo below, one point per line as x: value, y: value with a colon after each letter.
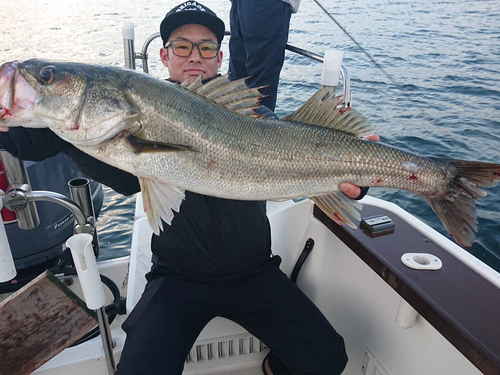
x: 259, y: 34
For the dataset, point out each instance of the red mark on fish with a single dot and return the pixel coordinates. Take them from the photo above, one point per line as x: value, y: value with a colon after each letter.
x: 342, y: 111
x: 4, y: 112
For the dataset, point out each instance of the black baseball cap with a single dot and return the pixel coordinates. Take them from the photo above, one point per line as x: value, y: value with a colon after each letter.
x: 191, y: 12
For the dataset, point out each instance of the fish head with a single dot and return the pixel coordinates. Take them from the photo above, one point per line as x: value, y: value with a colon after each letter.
x: 85, y: 105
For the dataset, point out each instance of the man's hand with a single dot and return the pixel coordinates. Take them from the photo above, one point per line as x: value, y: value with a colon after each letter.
x: 4, y: 129
x: 351, y: 190
x: 372, y: 137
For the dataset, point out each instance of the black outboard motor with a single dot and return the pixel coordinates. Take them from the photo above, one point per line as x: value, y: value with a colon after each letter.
x: 45, y: 242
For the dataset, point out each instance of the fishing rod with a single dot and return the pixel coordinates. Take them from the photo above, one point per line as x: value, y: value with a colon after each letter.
x: 370, y: 57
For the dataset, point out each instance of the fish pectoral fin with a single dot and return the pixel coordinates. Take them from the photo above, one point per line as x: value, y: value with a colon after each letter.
x: 143, y: 145
x: 326, y: 110
x: 337, y: 205
x: 160, y: 200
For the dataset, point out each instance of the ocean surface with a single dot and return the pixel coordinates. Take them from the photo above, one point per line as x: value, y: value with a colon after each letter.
x: 444, y: 56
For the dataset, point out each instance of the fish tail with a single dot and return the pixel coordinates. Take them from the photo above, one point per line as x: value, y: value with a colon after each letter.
x: 456, y: 208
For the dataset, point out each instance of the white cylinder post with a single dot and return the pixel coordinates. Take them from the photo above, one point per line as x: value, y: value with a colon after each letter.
x: 332, y: 61
x: 128, y: 30
x: 86, y: 268
x: 7, y: 266
x: 128, y: 44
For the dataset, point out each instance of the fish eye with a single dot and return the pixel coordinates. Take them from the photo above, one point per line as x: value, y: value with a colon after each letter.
x: 47, y: 75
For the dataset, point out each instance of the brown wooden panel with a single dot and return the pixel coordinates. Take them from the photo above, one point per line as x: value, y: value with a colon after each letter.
x: 39, y: 321
x: 461, y: 304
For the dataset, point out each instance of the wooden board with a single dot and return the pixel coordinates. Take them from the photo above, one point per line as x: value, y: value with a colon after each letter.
x: 39, y: 321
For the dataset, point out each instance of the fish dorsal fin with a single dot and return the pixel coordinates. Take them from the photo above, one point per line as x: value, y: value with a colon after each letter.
x: 195, y: 85
x: 234, y: 95
x: 247, y: 94
x: 212, y: 85
x: 325, y: 109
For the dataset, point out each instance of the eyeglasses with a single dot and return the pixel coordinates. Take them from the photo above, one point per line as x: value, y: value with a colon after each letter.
x: 183, y: 48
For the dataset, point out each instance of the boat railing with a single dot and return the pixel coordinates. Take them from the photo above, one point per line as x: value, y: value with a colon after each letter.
x: 131, y: 56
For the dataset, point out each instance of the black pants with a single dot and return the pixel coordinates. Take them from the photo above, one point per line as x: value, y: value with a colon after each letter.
x: 171, y: 313
x: 259, y: 33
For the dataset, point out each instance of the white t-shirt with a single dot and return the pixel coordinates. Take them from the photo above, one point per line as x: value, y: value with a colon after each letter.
x: 294, y: 4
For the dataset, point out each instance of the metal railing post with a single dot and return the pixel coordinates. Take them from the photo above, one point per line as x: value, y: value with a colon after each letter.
x: 18, y: 180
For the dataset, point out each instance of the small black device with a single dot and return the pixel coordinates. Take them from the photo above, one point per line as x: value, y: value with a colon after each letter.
x: 379, y: 225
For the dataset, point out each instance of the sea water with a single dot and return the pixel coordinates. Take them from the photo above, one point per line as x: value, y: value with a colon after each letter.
x: 443, y: 97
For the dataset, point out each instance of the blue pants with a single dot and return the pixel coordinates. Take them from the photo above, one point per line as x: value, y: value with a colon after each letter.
x: 259, y: 33
x: 173, y: 310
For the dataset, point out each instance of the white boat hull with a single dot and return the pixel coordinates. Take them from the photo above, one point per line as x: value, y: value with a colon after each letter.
x: 355, y: 299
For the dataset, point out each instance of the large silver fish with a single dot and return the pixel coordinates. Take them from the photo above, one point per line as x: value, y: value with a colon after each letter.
x: 201, y: 138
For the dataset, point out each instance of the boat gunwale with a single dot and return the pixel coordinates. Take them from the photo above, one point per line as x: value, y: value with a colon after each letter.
x: 439, y: 297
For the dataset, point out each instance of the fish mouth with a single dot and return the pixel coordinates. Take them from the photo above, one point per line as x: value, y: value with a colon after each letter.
x: 7, y: 72
x: 16, y: 94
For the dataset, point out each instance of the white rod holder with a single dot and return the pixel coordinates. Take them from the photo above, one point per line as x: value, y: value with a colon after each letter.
x: 86, y: 268
x: 7, y: 266
x: 332, y: 62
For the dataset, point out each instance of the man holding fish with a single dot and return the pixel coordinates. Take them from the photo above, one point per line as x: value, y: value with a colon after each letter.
x: 215, y: 258
x: 204, y: 150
